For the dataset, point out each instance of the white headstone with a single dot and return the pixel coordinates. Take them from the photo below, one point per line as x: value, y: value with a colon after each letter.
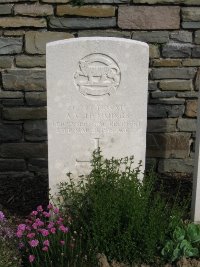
x: 96, y: 96
x: 196, y: 175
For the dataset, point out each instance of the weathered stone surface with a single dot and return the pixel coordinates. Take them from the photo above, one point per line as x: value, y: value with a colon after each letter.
x: 197, y: 37
x: 168, y: 145
x: 163, y: 111
x: 196, y: 51
x: 104, y: 33
x: 167, y: 62
x: 161, y: 125
x: 25, y: 61
x: 24, y: 79
x: 10, y: 94
x: 35, y: 130
x: 13, y: 1
x: 35, y: 42
x: 86, y: 11
x: 56, y: 1
x: 12, y: 165
x: 197, y: 81
x: 106, y: 1
x: 10, y: 45
x: 6, y: 62
x: 191, y: 62
x: 16, y: 22
x: 176, y: 85
x: 148, y: 18
x: 81, y: 23
x: 38, y: 165
x: 13, y: 33
x: 34, y: 10
x: 176, y: 50
x: 190, y: 25
x: 152, y: 86
x: 188, y: 94
x: 190, y: 2
x: 173, y: 73
x: 185, y: 2
x: 24, y: 113
x: 165, y: 94
x: 36, y: 98
x: 186, y: 125
x: 5, y: 9
x: 154, y: 51
x: 151, y: 37
x: 13, y: 102
x: 191, y: 14
x: 23, y: 150
x: 181, y: 36
x: 174, y: 166
x: 89, y: 1
x: 10, y: 132
x: 167, y: 101
x: 151, y: 2
x: 191, y: 108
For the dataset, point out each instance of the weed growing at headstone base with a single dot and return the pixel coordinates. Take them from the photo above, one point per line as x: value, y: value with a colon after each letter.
x: 117, y: 214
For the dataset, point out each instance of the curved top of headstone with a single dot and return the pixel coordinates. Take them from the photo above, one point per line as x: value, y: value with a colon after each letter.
x: 82, y: 39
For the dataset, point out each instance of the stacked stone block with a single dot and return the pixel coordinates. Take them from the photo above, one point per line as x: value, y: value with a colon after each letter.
x: 170, y: 27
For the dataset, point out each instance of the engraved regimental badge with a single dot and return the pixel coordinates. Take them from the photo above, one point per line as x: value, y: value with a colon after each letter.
x: 97, y: 75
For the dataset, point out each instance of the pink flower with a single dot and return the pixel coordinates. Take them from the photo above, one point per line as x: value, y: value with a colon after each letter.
x: 39, y: 222
x: 28, y: 228
x: 21, y: 227
x: 63, y: 229
x: 62, y: 242
x: 39, y: 208
x: 2, y: 216
x: 31, y: 235
x: 60, y: 221
x: 46, y: 243
x: 56, y: 210
x: 31, y: 258
x: 35, y: 225
x: 45, y: 248
x: 46, y: 214
x: 33, y: 243
x: 34, y: 213
x: 53, y: 230
x: 19, y: 234
x: 44, y: 232
x: 21, y: 245
x: 50, y: 206
x: 50, y: 225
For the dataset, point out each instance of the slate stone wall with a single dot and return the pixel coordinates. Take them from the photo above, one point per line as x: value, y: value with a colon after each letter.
x: 170, y: 27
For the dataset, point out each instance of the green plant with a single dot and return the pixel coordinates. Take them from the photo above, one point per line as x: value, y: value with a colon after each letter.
x: 118, y: 214
x: 184, y: 242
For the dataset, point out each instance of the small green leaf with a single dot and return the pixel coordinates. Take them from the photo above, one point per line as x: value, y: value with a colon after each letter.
x: 193, y: 232
x: 179, y: 234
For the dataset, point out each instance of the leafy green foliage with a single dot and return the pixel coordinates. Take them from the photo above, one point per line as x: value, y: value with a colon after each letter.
x: 184, y: 242
x: 116, y: 213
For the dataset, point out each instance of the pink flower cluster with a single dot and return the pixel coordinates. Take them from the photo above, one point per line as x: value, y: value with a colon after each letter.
x: 40, y: 231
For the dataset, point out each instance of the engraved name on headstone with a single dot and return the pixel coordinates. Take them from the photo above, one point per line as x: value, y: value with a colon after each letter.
x: 96, y: 97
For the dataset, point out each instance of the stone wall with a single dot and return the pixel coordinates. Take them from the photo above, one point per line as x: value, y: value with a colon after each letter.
x: 170, y: 27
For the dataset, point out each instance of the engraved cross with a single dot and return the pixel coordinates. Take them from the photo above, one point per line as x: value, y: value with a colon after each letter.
x: 96, y: 146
